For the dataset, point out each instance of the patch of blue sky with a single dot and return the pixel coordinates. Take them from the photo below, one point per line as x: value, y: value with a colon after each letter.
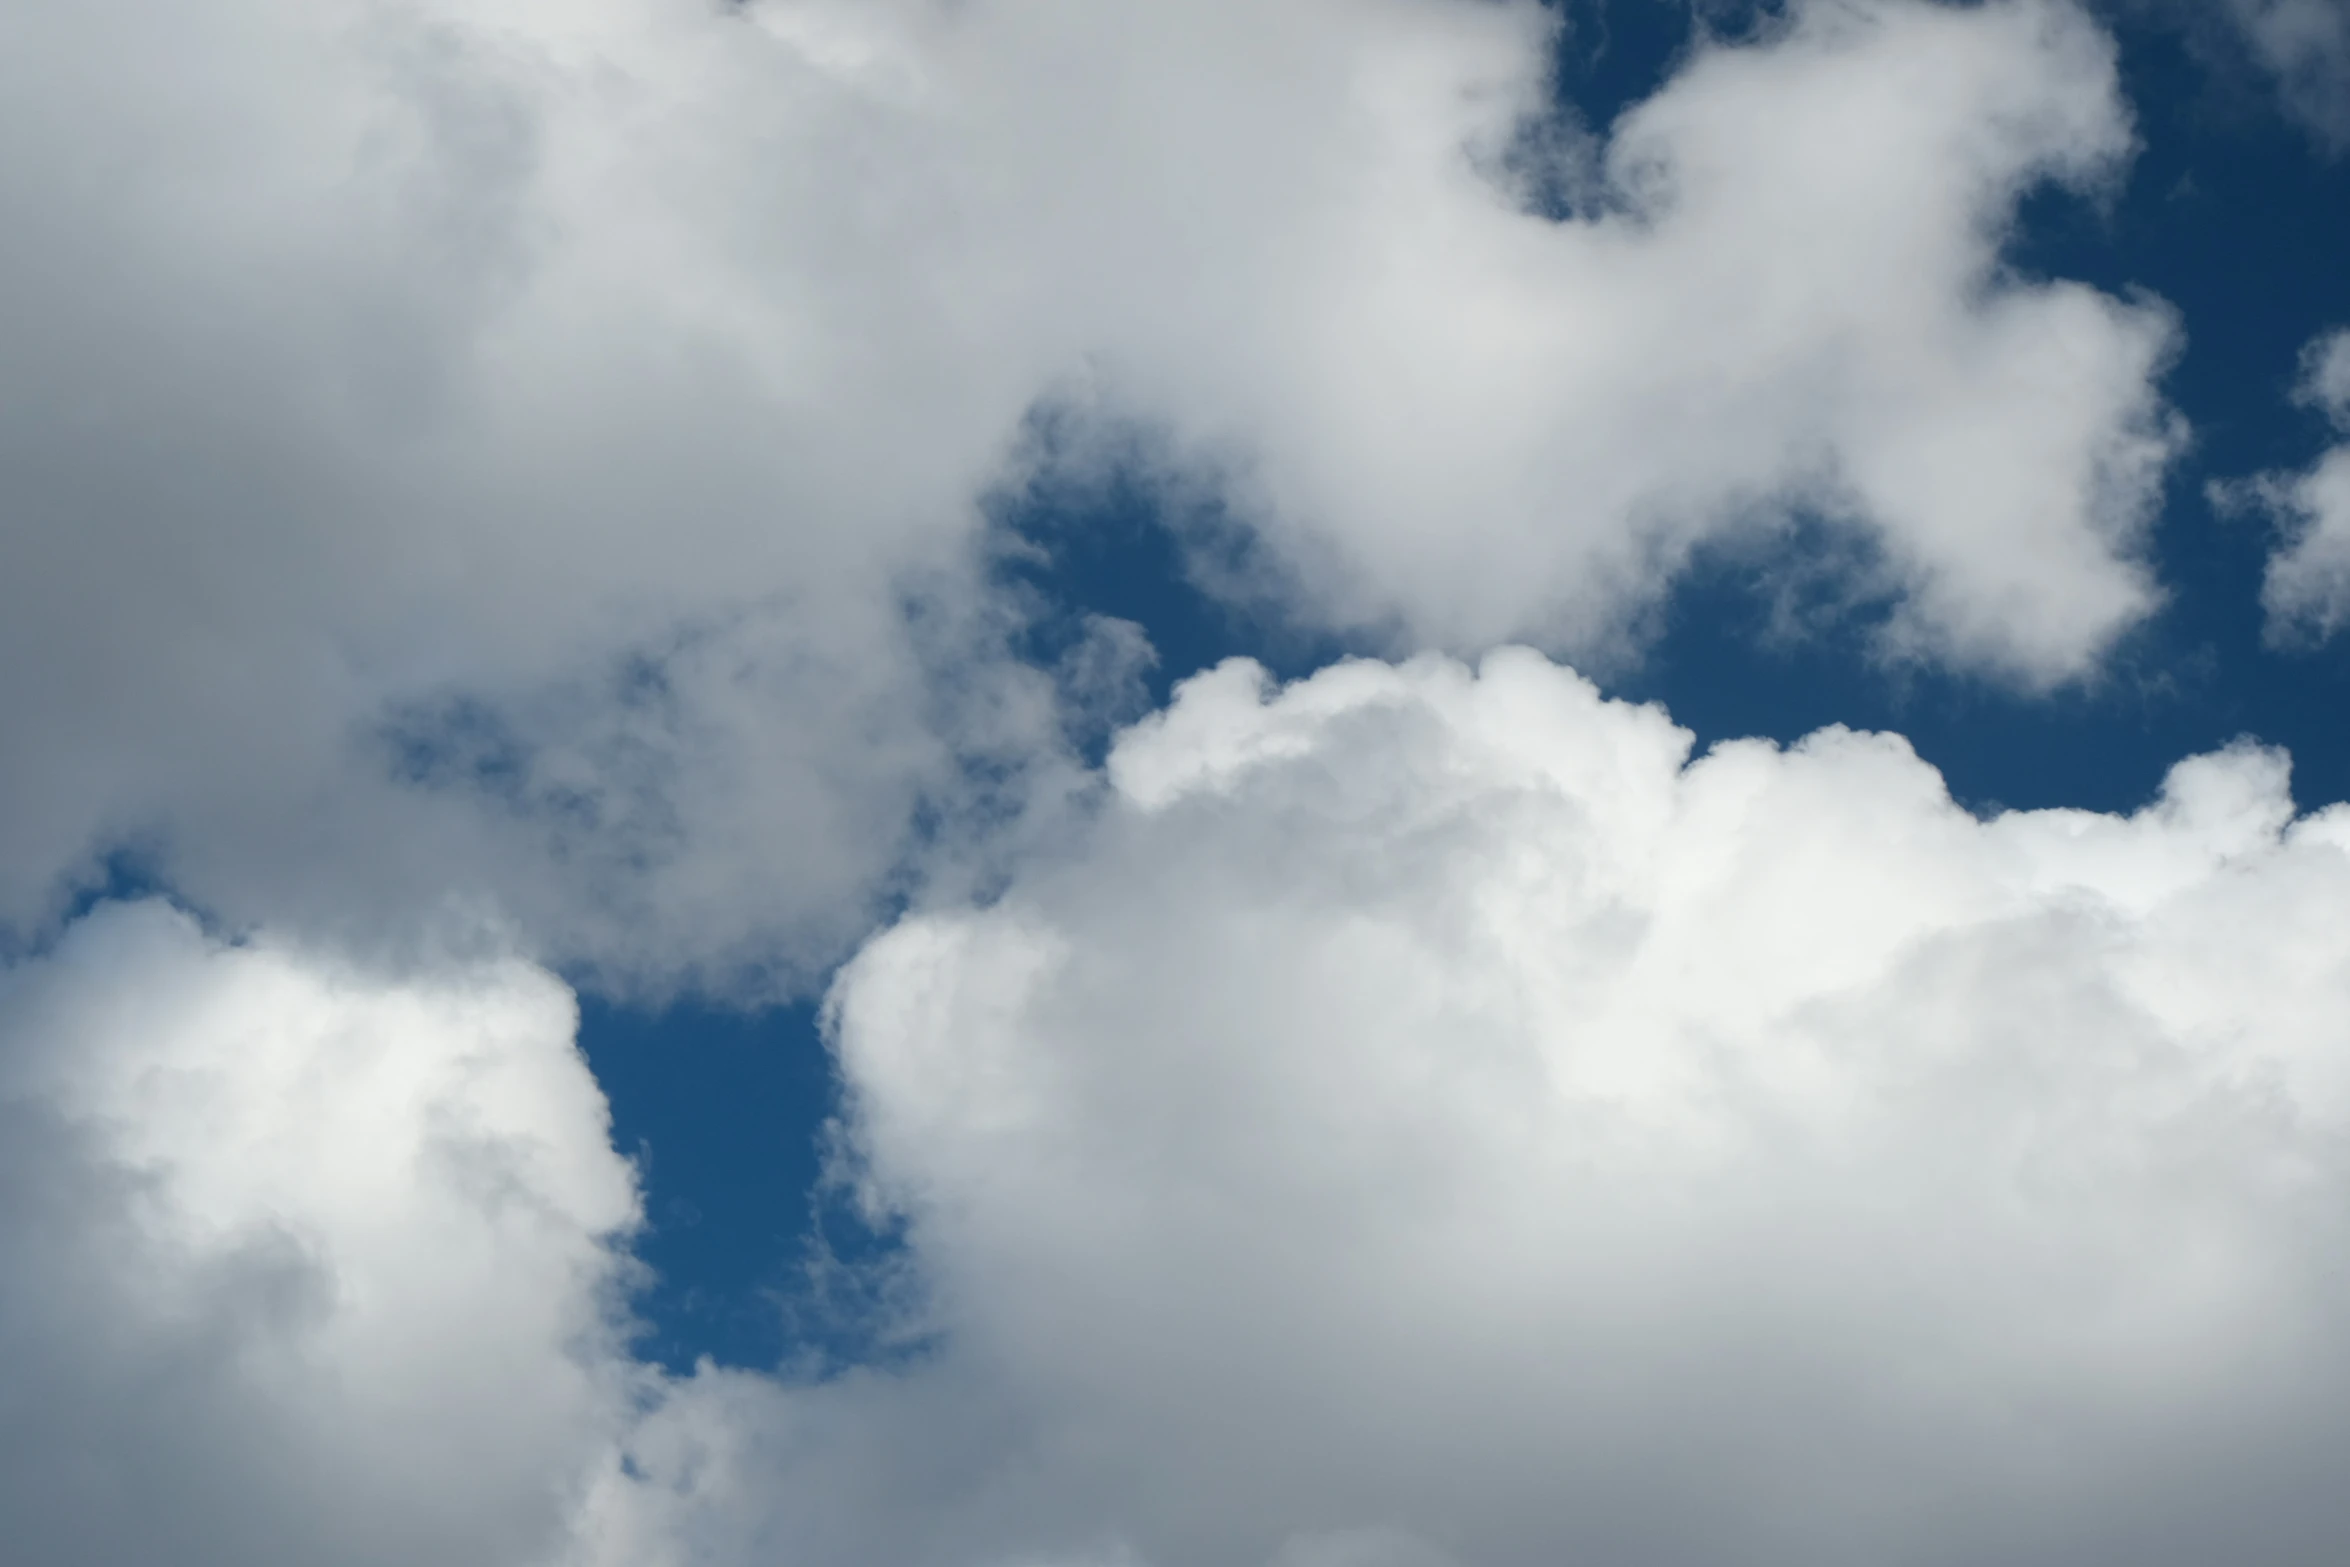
x: 754, y: 1258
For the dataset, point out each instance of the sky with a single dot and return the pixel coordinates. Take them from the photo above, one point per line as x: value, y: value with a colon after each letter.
x: 1093, y: 783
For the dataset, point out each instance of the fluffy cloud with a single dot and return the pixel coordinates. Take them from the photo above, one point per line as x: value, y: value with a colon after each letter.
x: 1432, y: 1119
x: 306, y: 1264
x: 526, y: 457
x: 529, y: 450
x: 1778, y: 295
x: 474, y: 449
x: 1428, y: 1120
x: 2307, y: 590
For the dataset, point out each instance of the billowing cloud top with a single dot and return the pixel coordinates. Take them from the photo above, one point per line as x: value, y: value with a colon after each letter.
x: 1431, y: 1107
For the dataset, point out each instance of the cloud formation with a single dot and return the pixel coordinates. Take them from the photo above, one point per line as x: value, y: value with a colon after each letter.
x: 2307, y: 587
x: 1778, y: 295
x: 523, y: 469
x: 1428, y: 1120
x: 481, y: 450
x: 306, y: 1264
x: 1433, y: 1113
x: 530, y: 452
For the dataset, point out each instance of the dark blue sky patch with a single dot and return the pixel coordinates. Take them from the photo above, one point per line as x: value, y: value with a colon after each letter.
x: 1612, y: 56
x: 754, y: 1260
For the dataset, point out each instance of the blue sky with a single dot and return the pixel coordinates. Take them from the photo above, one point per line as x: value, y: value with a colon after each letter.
x: 866, y: 783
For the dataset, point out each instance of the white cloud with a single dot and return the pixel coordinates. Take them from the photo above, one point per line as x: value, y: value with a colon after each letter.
x: 1784, y: 296
x: 1432, y: 1119
x: 1426, y: 1121
x: 607, y: 374
x: 305, y: 1264
x: 524, y: 455
x: 2305, y: 45
x: 532, y: 362
x: 2307, y: 587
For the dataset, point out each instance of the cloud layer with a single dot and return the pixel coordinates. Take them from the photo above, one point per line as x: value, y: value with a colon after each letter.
x: 530, y: 452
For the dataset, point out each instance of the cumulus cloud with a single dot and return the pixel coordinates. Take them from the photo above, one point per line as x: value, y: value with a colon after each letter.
x: 2307, y: 587
x: 480, y: 450
x: 1779, y: 295
x: 530, y: 450
x: 306, y: 1264
x: 1433, y: 1119
x: 1427, y: 1120
x: 527, y: 457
